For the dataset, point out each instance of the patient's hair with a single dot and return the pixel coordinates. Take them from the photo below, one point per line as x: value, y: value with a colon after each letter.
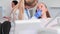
x: 47, y: 12
x: 15, y: 2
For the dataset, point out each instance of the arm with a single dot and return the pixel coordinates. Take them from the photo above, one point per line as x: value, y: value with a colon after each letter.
x: 21, y: 9
x: 19, y: 6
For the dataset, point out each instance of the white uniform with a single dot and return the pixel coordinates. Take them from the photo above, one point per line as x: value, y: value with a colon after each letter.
x: 33, y: 18
x: 14, y: 15
x: 26, y: 16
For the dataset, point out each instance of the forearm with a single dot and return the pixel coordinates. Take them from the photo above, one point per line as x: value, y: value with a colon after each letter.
x: 21, y: 9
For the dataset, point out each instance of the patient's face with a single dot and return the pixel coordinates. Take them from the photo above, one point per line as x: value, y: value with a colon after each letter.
x: 42, y: 7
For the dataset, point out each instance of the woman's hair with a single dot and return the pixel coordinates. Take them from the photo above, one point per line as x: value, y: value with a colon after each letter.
x: 47, y: 12
x: 15, y: 2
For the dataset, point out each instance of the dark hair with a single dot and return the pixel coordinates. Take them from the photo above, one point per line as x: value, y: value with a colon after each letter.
x: 15, y: 2
x: 48, y: 15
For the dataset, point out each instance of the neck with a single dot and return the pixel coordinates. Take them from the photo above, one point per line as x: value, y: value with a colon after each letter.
x: 44, y: 15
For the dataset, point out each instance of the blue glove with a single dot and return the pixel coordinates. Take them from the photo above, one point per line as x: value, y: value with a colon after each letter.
x: 38, y: 13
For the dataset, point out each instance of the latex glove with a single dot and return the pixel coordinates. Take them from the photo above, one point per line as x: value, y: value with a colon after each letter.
x: 38, y: 13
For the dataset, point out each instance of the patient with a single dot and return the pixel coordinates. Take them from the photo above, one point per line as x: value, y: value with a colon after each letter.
x: 42, y: 11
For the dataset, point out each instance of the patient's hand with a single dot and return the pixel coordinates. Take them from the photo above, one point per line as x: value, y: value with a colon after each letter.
x: 6, y: 17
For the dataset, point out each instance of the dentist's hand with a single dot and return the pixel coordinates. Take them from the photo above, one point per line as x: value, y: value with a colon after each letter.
x: 38, y: 13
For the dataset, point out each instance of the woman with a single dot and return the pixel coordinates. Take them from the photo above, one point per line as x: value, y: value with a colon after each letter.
x: 44, y: 11
x: 6, y: 25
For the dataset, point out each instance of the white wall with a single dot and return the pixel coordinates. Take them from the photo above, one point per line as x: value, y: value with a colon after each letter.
x: 52, y: 3
x: 6, y: 4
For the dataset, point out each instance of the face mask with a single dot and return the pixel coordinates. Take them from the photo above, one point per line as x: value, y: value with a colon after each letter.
x: 38, y: 13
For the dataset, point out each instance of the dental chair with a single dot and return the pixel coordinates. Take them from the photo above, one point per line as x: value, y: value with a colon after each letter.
x: 34, y: 27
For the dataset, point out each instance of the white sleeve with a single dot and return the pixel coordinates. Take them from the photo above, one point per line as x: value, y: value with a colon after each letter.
x: 25, y: 17
x: 33, y: 18
x: 29, y: 13
x: 16, y: 14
